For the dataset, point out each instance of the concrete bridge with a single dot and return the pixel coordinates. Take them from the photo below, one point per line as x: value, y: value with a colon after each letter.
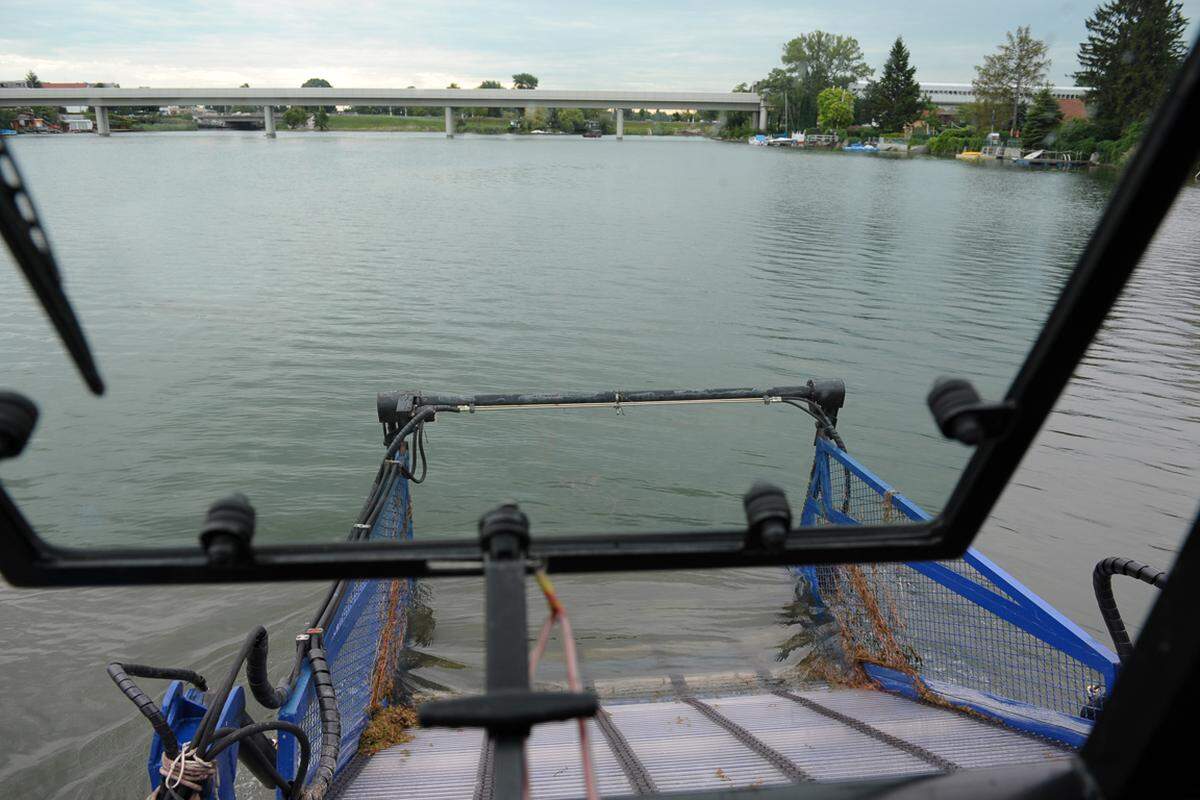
x: 449, y: 99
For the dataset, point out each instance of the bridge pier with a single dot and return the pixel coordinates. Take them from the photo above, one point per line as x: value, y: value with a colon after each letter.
x: 722, y: 119
x: 102, y: 121
x: 620, y: 124
x: 762, y: 118
x: 269, y: 121
x: 449, y: 122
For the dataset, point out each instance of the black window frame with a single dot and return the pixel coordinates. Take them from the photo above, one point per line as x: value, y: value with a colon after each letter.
x: 1139, y: 203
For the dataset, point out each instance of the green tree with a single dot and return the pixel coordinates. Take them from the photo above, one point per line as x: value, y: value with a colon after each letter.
x: 295, y: 117
x: 1043, y: 119
x: 535, y: 119
x: 319, y: 83
x: 321, y: 119
x: 1132, y: 49
x: 523, y: 80
x: 570, y: 120
x: 33, y: 80
x: 1009, y: 74
x: 835, y: 108
x: 484, y: 111
x: 826, y: 59
x: 897, y: 99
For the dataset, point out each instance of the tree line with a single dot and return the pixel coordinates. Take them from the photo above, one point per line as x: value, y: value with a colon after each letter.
x: 1132, y: 50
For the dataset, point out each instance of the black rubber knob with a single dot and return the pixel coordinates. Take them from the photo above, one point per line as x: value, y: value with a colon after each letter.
x: 951, y: 400
x: 228, y: 529
x: 18, y: 418
x: 768, y: 514
x: 504, y: 531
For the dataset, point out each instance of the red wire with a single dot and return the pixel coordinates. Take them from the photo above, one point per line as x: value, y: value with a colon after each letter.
x: 559, y: 614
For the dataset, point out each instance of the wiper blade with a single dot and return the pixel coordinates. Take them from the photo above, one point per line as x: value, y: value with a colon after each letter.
x: 31, y: 249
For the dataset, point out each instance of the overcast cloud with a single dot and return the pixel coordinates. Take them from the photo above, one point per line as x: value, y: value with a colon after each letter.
x: 702, y: 46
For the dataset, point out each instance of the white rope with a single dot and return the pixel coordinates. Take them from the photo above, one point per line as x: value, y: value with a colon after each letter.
x: 185, y: 769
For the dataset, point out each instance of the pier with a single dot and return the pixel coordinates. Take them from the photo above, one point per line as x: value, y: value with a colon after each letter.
x: 102, y: 99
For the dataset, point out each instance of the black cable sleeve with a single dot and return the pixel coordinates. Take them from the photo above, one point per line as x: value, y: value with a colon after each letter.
x: 256, y: 673
x: 148, y: 707
x: 260, y: 727
x: 331, y: 725
x: 164, y: 673
x: 203, y: 735
x: 280, y: 782
x: 1102, y: 584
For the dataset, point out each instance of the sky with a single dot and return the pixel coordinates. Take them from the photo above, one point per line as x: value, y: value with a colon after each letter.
x: 622, y: 44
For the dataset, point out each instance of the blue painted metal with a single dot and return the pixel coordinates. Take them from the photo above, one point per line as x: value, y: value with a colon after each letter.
x: 184, y: 707
x: 1008, y: 712
x: 1006, y: 599
x: 351, y: 643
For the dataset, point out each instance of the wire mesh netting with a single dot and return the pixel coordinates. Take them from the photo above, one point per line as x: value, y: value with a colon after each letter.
x: 959, y: 622
x: 362, y: 641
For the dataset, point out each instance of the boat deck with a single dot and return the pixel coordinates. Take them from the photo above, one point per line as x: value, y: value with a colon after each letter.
x: 695, y: 742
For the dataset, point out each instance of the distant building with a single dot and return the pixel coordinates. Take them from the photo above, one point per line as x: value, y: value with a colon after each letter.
x: 76, y: 123
x: 949, y: 96
x: 1072, y: 108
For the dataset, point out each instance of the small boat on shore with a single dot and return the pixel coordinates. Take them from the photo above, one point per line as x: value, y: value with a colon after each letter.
x: 970, y: 155
x: 860, y: 147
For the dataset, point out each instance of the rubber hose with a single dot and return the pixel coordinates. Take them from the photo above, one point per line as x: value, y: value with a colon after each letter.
x: 260, y: 727
x: 148, y: 707
x: 1102, y: 584
x: 331, y: 725
x: 256, y: 673
x: 257, y: 753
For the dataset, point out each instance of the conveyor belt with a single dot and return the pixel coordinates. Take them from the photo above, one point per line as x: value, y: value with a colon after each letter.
x: 706, y: 742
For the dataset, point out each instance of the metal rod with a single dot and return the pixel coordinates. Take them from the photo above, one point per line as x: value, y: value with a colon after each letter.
x: 399, y: 406
x: 619, y: 403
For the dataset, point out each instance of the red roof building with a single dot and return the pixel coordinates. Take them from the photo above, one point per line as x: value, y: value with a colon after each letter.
x: 1072, y: 108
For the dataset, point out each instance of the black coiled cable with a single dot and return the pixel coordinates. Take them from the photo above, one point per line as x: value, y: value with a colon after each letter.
x: 1102, y: 583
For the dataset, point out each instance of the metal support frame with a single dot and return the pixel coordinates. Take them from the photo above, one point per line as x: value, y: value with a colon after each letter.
x: 507, y: 651
x: 269, y: 121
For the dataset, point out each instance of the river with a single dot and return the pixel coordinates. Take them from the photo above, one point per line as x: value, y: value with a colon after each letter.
x: 247, y: 298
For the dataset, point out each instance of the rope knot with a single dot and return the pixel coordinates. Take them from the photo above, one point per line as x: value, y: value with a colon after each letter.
x: 186, y: 769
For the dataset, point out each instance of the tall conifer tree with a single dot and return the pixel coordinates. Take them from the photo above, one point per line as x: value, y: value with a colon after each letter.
x: 1132, y: 49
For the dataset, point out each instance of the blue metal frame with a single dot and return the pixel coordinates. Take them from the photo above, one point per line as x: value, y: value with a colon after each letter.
x: 351, y: 606
x: 184, y: 707
x: 1012, y: 601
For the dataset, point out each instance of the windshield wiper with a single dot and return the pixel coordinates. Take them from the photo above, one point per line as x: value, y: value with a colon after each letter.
x: 31, y: 249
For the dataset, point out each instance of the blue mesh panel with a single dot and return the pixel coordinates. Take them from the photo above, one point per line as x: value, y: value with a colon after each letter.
x: 361, y: 643
x: 962, y: 622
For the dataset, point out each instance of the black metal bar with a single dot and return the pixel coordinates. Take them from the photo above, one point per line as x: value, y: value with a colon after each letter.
x: 388, y: 401
x: 507, y: 641
x: 635, y: 771
x: 867, y: 729
x: 687, y: 549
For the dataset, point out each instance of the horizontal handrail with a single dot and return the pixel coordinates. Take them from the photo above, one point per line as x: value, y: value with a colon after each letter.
x: 398, y: 406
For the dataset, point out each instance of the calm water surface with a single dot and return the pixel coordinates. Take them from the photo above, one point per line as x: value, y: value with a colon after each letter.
x: 247, y: 298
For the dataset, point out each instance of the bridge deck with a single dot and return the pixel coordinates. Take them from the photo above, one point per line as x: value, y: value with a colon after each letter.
x: 694, y: 742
